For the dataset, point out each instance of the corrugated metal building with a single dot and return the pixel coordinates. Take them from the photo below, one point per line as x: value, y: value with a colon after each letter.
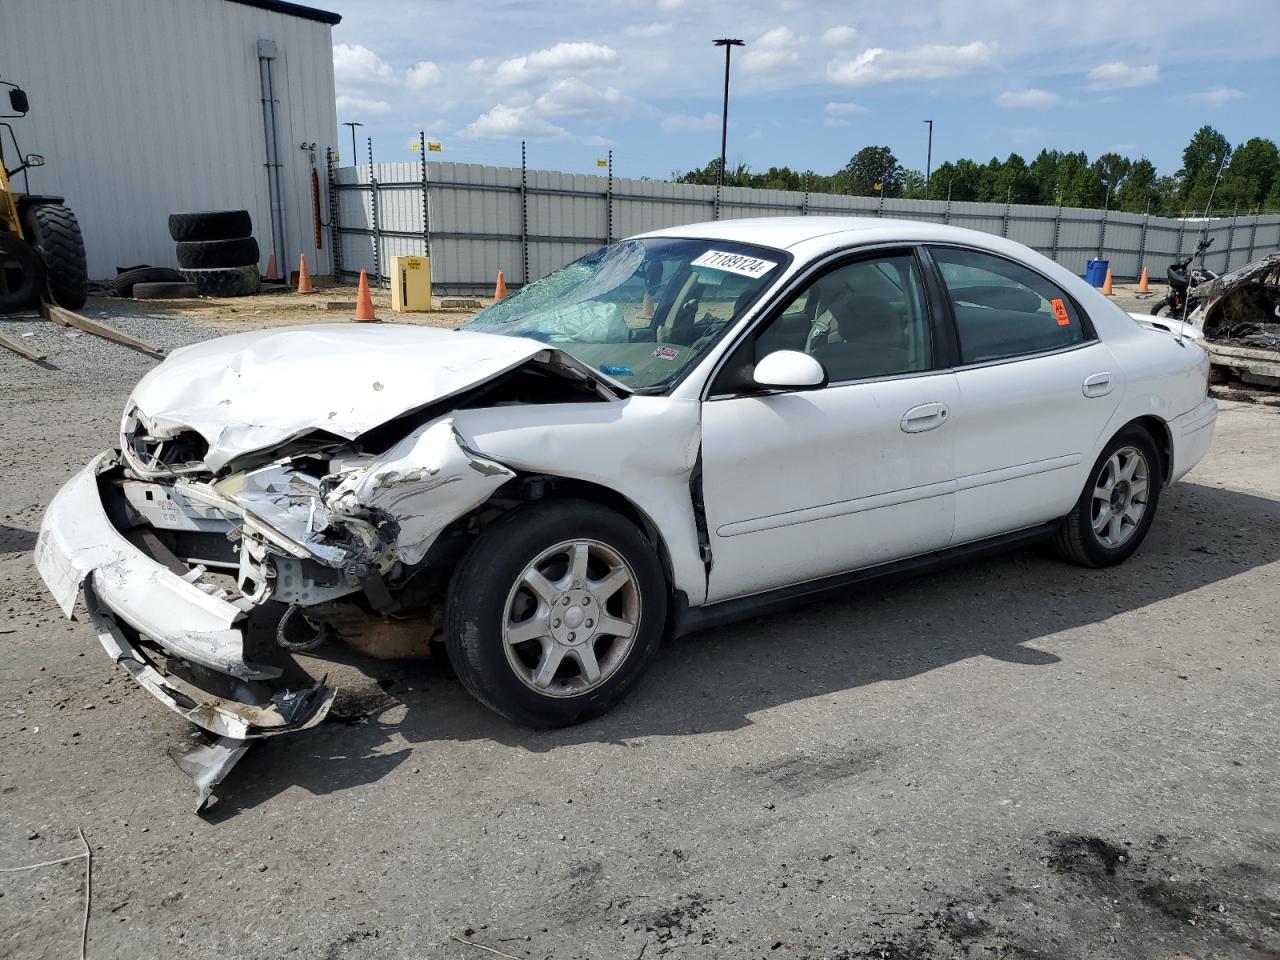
x: 146, y: 107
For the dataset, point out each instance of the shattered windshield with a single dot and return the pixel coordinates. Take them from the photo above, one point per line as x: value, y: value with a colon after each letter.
x: 640, y: 311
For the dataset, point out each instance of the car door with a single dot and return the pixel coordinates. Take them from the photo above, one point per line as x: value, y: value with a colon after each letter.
x: 1037, y: 388
x: 799, y: 485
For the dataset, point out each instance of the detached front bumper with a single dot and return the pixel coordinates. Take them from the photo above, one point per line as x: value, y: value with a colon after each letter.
x: 160, y: 626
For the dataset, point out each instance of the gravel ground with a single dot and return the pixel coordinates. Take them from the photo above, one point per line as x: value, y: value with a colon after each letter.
x: 1014, y: 758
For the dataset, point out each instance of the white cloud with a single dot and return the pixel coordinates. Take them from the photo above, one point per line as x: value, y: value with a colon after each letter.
x: 574, y: 97
x: 507, y: 121
x: 776, y: 48
x: 648, y: 30
x: 1211, y: 98
x: 839, y: 36
x: 355, y: 65
x: 1029, y: 99
x: 349, y: 105
x: 670, y: 4
x: 423, y: 74
x: 1114, y: 76
x: 561, y: 58
x: 933, y: 61
x: 680, y: 122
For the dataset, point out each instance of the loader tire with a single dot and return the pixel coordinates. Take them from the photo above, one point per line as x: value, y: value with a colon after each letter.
x: 165, y: 291
x: 55, y: 233
x: 224, y: 281
x: 24, y: 290
x: 210, y: 225
x: 123, y: 284
x: 205, y: 254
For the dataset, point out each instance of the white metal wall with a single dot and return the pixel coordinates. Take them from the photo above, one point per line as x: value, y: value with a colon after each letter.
x: 485, y: 219
x: 146, y: 107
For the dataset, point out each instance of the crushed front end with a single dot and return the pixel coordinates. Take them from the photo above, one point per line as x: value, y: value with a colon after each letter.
x: 201, y: 585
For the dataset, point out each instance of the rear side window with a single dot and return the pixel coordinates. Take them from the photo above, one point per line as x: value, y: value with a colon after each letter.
x: 1003, y: 309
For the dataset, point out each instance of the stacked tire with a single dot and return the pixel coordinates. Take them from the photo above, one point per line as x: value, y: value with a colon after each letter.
x: 217, y: 252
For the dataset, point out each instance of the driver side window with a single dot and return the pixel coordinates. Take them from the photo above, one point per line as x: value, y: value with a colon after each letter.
x: 864, y: 319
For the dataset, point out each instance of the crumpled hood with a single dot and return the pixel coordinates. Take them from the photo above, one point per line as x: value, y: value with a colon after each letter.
x: 252, y: 391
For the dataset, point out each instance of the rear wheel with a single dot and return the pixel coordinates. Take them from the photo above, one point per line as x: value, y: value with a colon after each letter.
x: 554, y: 612
x: 1118, y: 504
x: 55, y: 232
x: 1162, y: 308
x: 21, y: 274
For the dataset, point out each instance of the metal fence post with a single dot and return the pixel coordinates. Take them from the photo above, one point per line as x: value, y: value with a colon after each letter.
x: 880, y: 208
x: 608, y: 204
x: 1004, y: 231
x: 1102, y: 237
x: 373, y: 214
x: 804, y: 205
x: 426, y: 197
x: 1253, y: 238
x: 524, y: 210
x: 335, y: 224
x: 1142, y: 241
x: 1231, y: 238
x: 715, y: 211
x: 1057, y: 232
x: 946, y: 214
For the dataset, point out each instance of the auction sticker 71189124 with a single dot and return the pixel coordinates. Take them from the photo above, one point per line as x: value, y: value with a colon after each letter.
x: 738, y: 263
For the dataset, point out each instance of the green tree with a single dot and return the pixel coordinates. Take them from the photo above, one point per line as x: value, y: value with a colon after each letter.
x: 1044, y: 174
x: 1111, y: 169
x: 1014, y: 182
x: 1201, y: 161
x: 872, y: 165
x: 1138, y: 191
x: 913, y: 184
x: 1254, y: 168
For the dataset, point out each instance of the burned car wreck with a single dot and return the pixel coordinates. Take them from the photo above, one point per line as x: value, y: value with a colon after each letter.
x: 1239, y: 313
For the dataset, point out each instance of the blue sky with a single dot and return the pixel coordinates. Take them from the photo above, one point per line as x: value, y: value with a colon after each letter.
x: 816, y: 81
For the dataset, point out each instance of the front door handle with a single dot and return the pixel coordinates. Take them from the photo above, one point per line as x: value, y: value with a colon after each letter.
x: 1098, y: 385
x: 927, y: 416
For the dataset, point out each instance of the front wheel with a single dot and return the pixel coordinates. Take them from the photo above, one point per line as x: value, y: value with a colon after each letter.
x: 1117, y: 505
x: 554, y: 612
x: 1162, y: 308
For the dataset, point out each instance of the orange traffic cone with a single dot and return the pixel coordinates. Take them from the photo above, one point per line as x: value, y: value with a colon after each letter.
x: 1144, y: 282
x: 500, y: 289
x: 1106, y: 284
x: 646, y: 308
x: 364, y: 302
x: 272, y: 275
x: 304, y: 276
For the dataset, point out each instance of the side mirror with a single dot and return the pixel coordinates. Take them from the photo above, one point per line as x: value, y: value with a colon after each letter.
x: 34, y: 160
x: 790, y: 370
x: 18, y: 100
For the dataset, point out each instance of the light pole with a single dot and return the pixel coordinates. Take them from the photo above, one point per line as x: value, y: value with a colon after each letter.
x: 353, y: 124
x: 928, y: 159
x: 728, y: 45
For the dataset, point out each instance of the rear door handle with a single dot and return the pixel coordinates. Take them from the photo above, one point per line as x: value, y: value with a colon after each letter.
x: 1098, y: 385
x: 927, y: 416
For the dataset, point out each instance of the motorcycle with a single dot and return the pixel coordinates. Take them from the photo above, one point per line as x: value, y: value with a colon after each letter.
x: 1181, y: 279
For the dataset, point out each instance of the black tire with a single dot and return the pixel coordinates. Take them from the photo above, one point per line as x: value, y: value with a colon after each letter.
x: 1160, y: 305
x: 224, y: 281
x: 210, y: 225
x: 1076, y: 539
x: 123, y: 284
x: 206, y: 254
x: 476, y: 609
x: 25, y: 293
x: 55, y: 232
x: 164, y: 291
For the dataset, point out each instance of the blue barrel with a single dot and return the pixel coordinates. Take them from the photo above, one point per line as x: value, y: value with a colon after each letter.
x: 1096, y: 272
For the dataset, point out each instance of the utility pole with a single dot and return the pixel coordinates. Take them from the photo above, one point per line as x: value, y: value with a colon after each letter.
x: 353, y: 124
x: 928, y: 159
x: 728, y: 45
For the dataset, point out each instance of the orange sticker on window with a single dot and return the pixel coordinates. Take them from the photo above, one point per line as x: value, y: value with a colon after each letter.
x: 1060, y: 312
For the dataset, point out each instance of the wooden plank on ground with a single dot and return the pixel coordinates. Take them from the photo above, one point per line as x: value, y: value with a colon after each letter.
x: 20, y: 349
x: 69, y: 318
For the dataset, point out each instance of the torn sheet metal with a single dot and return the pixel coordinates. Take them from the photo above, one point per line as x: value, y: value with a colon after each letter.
x: 423, y: 483
x: 256, y: 390
x: 1250, y: 295
x: 208, y: 764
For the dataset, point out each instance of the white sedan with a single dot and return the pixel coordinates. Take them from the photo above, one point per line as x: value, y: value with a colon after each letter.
x: 674, y: 431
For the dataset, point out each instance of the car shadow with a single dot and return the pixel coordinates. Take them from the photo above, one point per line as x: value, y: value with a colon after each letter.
x: 16, y: 540
x: 719, y: 680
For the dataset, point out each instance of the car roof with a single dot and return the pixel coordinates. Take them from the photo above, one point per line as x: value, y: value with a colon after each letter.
x: 834, y: 232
